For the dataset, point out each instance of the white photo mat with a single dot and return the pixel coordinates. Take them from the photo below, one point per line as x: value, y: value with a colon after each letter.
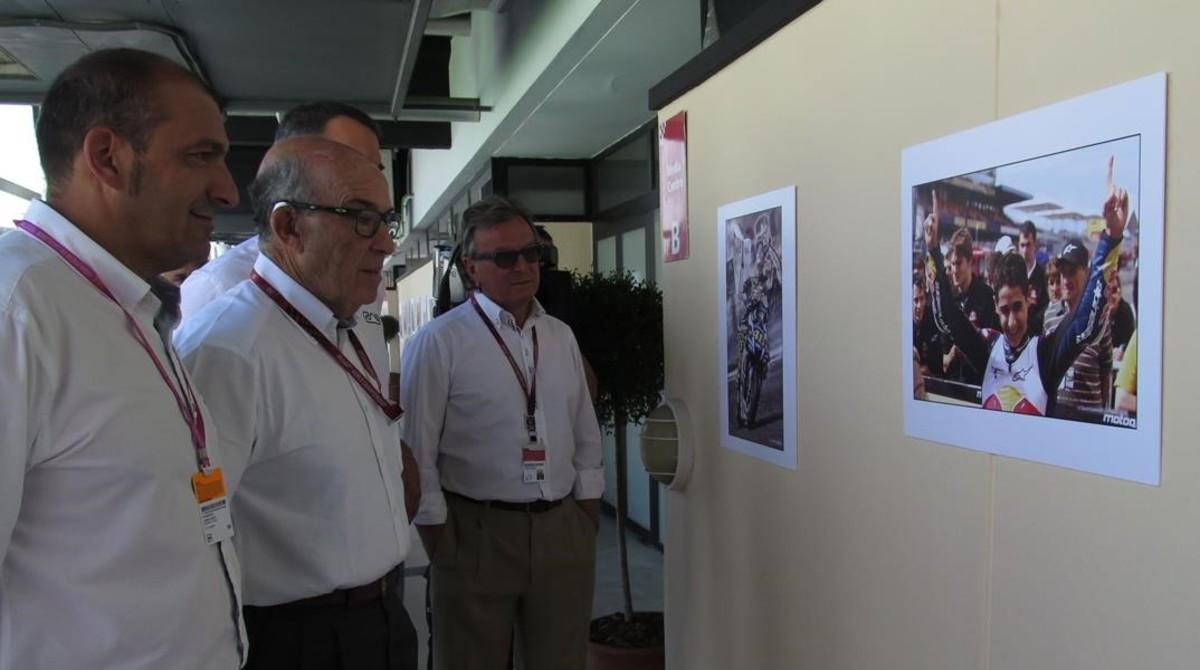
x: 772, y: 436
x: 1135, y: 109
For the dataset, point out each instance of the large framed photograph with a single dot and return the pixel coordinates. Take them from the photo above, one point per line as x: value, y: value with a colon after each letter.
x: 756, y: 282
x: 1031, y: 284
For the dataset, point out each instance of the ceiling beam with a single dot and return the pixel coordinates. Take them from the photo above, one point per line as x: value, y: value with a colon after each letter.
x: 408, y: 60
x: 417, y: 108
x: 260, y: 131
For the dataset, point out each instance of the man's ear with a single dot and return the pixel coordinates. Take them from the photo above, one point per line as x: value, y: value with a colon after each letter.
x: 108, y: 158
x: 285, y: 226
x: 468, y: 266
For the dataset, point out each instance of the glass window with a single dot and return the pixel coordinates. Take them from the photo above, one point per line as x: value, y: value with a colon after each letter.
x: 19, y: 162
x: 549, y: 189
x: 624, y: 174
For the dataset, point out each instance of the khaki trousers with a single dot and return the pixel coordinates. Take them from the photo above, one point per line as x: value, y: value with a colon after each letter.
x: 495, y: 570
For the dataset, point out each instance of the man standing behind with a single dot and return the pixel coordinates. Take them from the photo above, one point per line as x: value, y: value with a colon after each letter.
x: 311, y: 439
x: 973, y: 297
x: 1038, y: 297
x: 503, y: 428
x: 114, y: 530
x: 1086, y: 389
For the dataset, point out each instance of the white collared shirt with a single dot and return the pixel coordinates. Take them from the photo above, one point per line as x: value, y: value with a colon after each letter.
x: 465, y: 410
x: 102, y: 559
x: 233, y: 267
x: 314, y: 465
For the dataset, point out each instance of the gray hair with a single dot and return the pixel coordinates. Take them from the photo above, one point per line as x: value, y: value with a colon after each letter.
x: 284, y: 178
x: 489, y: 213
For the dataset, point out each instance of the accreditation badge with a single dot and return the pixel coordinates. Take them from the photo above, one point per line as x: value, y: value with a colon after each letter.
x: 215, y: 520
x: 533, y: 466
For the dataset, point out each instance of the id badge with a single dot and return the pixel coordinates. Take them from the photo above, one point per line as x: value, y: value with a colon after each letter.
x: 533, y: 466
x: 215, y: 521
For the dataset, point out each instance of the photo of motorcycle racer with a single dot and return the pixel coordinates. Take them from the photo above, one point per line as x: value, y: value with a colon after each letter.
x: 755, y: 336
x: 1022, y: 368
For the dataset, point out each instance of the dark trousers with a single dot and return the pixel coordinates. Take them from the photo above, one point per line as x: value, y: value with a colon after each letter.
x: 360, y: 635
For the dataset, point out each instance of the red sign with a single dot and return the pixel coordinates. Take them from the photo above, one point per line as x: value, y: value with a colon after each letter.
x: 672, y: 186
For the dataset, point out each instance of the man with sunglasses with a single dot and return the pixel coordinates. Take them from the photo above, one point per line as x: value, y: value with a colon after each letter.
x: 502, y: 424
x: 311, y: 440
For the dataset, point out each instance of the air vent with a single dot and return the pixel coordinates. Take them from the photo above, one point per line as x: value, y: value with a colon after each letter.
x: 11, y: 69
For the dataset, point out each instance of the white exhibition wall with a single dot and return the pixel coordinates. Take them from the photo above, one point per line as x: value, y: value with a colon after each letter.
x: 879, y: 550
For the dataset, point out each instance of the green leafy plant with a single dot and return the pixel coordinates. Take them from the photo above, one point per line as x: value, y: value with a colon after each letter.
x: 617, y: 319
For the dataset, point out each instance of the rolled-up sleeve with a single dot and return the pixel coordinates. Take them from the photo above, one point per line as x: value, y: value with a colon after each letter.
x: 424, y: 394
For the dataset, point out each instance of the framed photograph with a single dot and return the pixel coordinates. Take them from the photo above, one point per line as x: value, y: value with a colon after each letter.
x: 756, y: 282
x: 1031, y: 284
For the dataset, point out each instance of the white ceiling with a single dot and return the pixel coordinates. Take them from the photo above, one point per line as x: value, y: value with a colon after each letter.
x: 606, y: 95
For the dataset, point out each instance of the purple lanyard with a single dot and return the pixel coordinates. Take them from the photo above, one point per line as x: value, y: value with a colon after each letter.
x: 528, y: 389
x: 389, y: 408
x: 191, y: 412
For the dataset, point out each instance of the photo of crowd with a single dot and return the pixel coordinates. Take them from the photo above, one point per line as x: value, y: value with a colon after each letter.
x: 1025, y: 286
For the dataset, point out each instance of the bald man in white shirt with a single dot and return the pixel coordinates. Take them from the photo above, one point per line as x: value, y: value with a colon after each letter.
x: 346, y: 125
x: 312, y: 443
x: 115, y: 548
x: 501, y: 421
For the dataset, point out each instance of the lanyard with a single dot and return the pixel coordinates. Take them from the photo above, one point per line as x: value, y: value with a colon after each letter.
x: 389, y: 408
x: 185, y: 400
x: 528, y: 389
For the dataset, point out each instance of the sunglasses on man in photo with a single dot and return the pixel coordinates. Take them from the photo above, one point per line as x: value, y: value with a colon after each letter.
x: 507, y: 259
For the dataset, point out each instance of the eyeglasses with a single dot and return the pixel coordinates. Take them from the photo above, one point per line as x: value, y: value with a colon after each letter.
x: 366, y: 221
x: 507, y: 259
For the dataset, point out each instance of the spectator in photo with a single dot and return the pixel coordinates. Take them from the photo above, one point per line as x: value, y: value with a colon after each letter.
x: 1126, y: 400
x: 312, y: 442
x: 974, y: 299
x: 925, y: 337
x: 108, y: 456
x: 1086, y: 389
x: 1120, y: 314
x: 1027, y: 245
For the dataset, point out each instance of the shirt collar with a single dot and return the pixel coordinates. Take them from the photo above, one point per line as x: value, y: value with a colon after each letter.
x: 128, y: 288
x: 501, y: 316
x: 301, y: 298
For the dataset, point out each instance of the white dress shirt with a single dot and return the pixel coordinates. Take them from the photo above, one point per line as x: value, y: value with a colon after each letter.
x: 313, y: 463
x: 217, y: 276
x: 102, y: 559
x: 465, y: 410
x: 231, y: 268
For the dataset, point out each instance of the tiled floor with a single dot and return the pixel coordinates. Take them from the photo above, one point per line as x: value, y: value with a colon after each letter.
x: 645, y: 575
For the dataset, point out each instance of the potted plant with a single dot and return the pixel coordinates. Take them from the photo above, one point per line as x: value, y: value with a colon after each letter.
x: 618, y: 322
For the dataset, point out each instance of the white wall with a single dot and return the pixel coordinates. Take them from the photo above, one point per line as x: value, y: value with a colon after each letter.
x: 574, y: 242
x: 882, y: 551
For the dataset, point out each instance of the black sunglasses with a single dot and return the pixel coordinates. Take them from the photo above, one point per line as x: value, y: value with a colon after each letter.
x: 366, y: 221
x: 507, y: 259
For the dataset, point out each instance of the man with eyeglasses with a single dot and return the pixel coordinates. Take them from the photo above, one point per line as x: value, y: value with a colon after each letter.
x: 502, y: 424
x: 310, y: 438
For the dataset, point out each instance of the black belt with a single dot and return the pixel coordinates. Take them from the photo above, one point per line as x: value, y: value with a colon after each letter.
x: 376, y: 590
x: 533, y: 507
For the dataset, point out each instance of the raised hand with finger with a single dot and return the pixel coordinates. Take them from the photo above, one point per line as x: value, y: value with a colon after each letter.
x: 1116, y: 205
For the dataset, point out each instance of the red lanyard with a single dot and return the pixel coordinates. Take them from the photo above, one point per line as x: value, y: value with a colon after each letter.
x: 529, y: 390
x: 389, y: 408
x: 191, y: 412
